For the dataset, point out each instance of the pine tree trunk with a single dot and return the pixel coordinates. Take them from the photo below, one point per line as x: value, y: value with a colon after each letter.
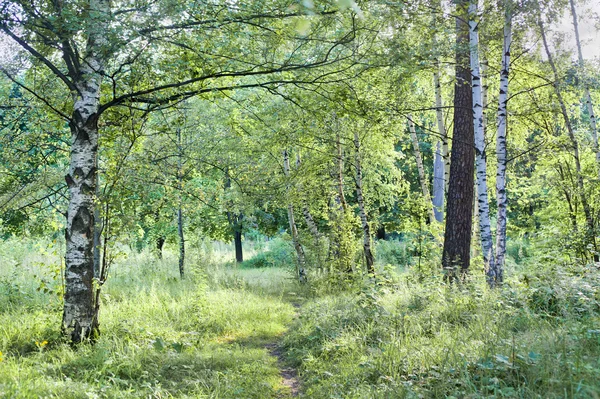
x: 590, y: 236
x: 483, y: 206
x: 501, y: 152
x: 370, y: 260
x: 80, y: 315
x: 459, y: 209
x: 301, y: 259
x: 421, y: 169
x: 586, y: 87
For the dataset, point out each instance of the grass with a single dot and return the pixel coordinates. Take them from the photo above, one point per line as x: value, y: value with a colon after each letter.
x: 402, y: 336
x: 161, y: 337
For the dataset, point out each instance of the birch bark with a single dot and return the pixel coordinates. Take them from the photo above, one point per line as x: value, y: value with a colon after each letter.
x: 586, y: 87
x: 80, y: 316
x: 485, y: 231
x: 439, y: 105
x: 501, y: 152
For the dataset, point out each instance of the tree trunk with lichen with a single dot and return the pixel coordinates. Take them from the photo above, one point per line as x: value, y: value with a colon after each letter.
x: 80, y: 315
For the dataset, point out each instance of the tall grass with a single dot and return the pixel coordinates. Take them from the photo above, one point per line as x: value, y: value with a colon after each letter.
x: 160, y: 336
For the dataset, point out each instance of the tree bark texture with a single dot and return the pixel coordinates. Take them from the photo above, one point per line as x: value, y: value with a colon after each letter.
x: 483, y: 206
x: 369, y: 258
x: 301, y: 258
x: 80, y: 316
x: 586, y: 88
x: 459, y: 209
x: 590, y: 236
x: 501, y: 150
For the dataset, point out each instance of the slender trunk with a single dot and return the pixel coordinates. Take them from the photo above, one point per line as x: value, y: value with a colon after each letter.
x: 421, y: 170
x: 380, y: 234
x: 308, y: 218
x: 301, y: 261
x: 438, y: 184
x: 181, y: 242
x: 237, y: 240
x: 441, y: 128
x: 180, y: 209
x: 568, y: 198
x: 483, y: 206
x: 160, y: 243
x: 361, y: 206
x: 501, y: 152
x: 586, y: 87
x: 340, y: 174
x: 575, y: 147
x: 80, y: 314
x: 235, y: 224
x: 459, y: 209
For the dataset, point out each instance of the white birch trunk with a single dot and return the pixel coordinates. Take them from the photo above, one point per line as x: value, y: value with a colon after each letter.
x: 361, y: 207
x: 300, y: 269
x: 586, y: 87
x: 438, y: 184
x: 480, y: 153
x: 441, y: 128
x: 501, y: 153
x: 80, y: 318
x: 420, y: 169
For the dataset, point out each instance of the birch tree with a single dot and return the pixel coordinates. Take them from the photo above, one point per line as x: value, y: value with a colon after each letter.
x: 586, y: 87
x: 589, y: 217
x: 501, y: 152
x: 485, y: 231
x: 82, y: 42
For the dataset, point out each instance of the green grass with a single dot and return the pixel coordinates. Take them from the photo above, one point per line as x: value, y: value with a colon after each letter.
x: 160, y: 337
x: 402, y: 336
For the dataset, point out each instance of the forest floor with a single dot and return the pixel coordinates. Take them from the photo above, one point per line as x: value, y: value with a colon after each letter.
x: 230, y: 332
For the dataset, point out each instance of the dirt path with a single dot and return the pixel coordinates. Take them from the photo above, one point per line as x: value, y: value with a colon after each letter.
x: 289, y: 375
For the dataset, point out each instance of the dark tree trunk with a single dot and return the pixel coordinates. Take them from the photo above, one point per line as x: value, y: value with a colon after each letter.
x: 160, y: 243
x: 380, y: 234
x: 459, y: 217
x: 237, y: 239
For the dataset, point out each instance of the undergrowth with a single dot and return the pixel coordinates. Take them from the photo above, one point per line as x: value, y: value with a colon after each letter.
x: 395, y: 335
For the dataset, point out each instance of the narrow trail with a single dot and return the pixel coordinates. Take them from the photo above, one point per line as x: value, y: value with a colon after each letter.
x: 289, y: 375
